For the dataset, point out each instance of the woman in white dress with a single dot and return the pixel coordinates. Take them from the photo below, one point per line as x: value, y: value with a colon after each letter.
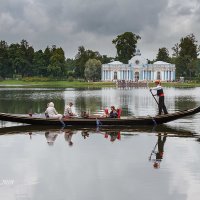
x: 52, y: 113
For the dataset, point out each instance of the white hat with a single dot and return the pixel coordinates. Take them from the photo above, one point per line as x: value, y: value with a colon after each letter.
x: 51, y: 104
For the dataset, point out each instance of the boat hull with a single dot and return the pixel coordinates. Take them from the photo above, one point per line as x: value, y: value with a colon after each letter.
x: 95, y: 121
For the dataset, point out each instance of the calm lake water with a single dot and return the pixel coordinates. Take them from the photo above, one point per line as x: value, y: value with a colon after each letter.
x: 140, y: 163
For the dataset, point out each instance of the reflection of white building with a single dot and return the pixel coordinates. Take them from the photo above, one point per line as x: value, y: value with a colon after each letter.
x: 138, y: 70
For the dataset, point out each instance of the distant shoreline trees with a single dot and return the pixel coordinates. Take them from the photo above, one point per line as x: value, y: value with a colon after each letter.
x: 20, y: 60
x: 186, y: 57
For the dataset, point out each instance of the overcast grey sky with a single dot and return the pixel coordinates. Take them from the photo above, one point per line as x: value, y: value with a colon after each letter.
x: 95, y: 23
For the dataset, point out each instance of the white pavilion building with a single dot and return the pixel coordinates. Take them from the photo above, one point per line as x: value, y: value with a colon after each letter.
x: 138, y: 70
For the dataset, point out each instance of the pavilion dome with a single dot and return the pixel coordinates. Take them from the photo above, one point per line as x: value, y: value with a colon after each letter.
x: 138, y: 59
x: 161, y: 63
x: 115, y: 63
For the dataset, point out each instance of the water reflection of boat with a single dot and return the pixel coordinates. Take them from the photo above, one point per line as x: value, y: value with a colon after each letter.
x: 87, y: 130
x: 94, y: 121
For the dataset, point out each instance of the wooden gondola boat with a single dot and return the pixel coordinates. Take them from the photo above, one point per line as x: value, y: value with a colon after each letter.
x: 94, y: 121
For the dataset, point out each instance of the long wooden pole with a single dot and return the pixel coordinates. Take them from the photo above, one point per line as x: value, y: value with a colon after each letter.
x: 153, y: 151
x: 154, y: 97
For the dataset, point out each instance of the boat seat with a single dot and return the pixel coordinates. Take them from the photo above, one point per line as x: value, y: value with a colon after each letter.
x: 119, y: 111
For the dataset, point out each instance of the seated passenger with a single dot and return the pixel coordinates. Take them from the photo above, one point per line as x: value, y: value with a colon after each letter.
x: 113, y: 112
x: 106, y: 113
x: 68, y: 110
x: 51, y: 112
x: 84, y: 114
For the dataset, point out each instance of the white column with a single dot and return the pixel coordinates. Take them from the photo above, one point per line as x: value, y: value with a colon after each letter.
x: 168, y: 75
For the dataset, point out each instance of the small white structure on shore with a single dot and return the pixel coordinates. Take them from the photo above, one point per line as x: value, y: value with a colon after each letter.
x: 138, y: 70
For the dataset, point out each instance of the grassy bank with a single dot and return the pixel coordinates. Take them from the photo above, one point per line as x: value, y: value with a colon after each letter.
x: 177, y: 84
x: 59, y: 84
x: 77, y: 84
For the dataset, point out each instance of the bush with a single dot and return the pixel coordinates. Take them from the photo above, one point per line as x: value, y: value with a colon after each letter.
x: 70, y: 79
x: 18, y: 77
x: 35, y: 79
x: 81, y: 80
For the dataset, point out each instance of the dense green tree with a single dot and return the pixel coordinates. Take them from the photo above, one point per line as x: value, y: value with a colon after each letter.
x: 39, y: 64
x: 181, y: 69
x: 188, y: 47
x: 176, y: 50
x: 56, y: 67
x: 163, y: 55
x: 186, y: 52
x: 126, y: 46
x: 93, y: 70
x: 192, y: 67
x: 81, y: 58
x: 197, y: 64
x: 70, y: 64
x: 14, y: 55
x: 105, y: 59
x: 5, y: 65
x: 25, y: 59
x: 21, y: 58
x: 47, y: 55
x: 70, y: 67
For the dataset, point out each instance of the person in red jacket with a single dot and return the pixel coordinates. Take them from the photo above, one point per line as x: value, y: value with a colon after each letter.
x: 160, y: 94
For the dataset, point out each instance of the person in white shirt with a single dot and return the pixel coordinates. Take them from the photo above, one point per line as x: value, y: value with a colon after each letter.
x: 52, y: 113
x: 68, y: 110
x: 160, y: 94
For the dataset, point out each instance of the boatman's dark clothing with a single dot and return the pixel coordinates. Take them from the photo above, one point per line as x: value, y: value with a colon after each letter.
x: 161, y: 142
x: 161, y: 102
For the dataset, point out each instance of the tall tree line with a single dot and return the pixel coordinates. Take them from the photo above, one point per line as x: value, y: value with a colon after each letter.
x: 21, y: 60
x: 185, y: 57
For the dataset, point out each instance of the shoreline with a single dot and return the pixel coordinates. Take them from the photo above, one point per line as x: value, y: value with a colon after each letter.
x: 80, y: 84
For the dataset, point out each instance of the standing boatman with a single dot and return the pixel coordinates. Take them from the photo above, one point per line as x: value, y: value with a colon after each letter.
x: 160, y: 94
